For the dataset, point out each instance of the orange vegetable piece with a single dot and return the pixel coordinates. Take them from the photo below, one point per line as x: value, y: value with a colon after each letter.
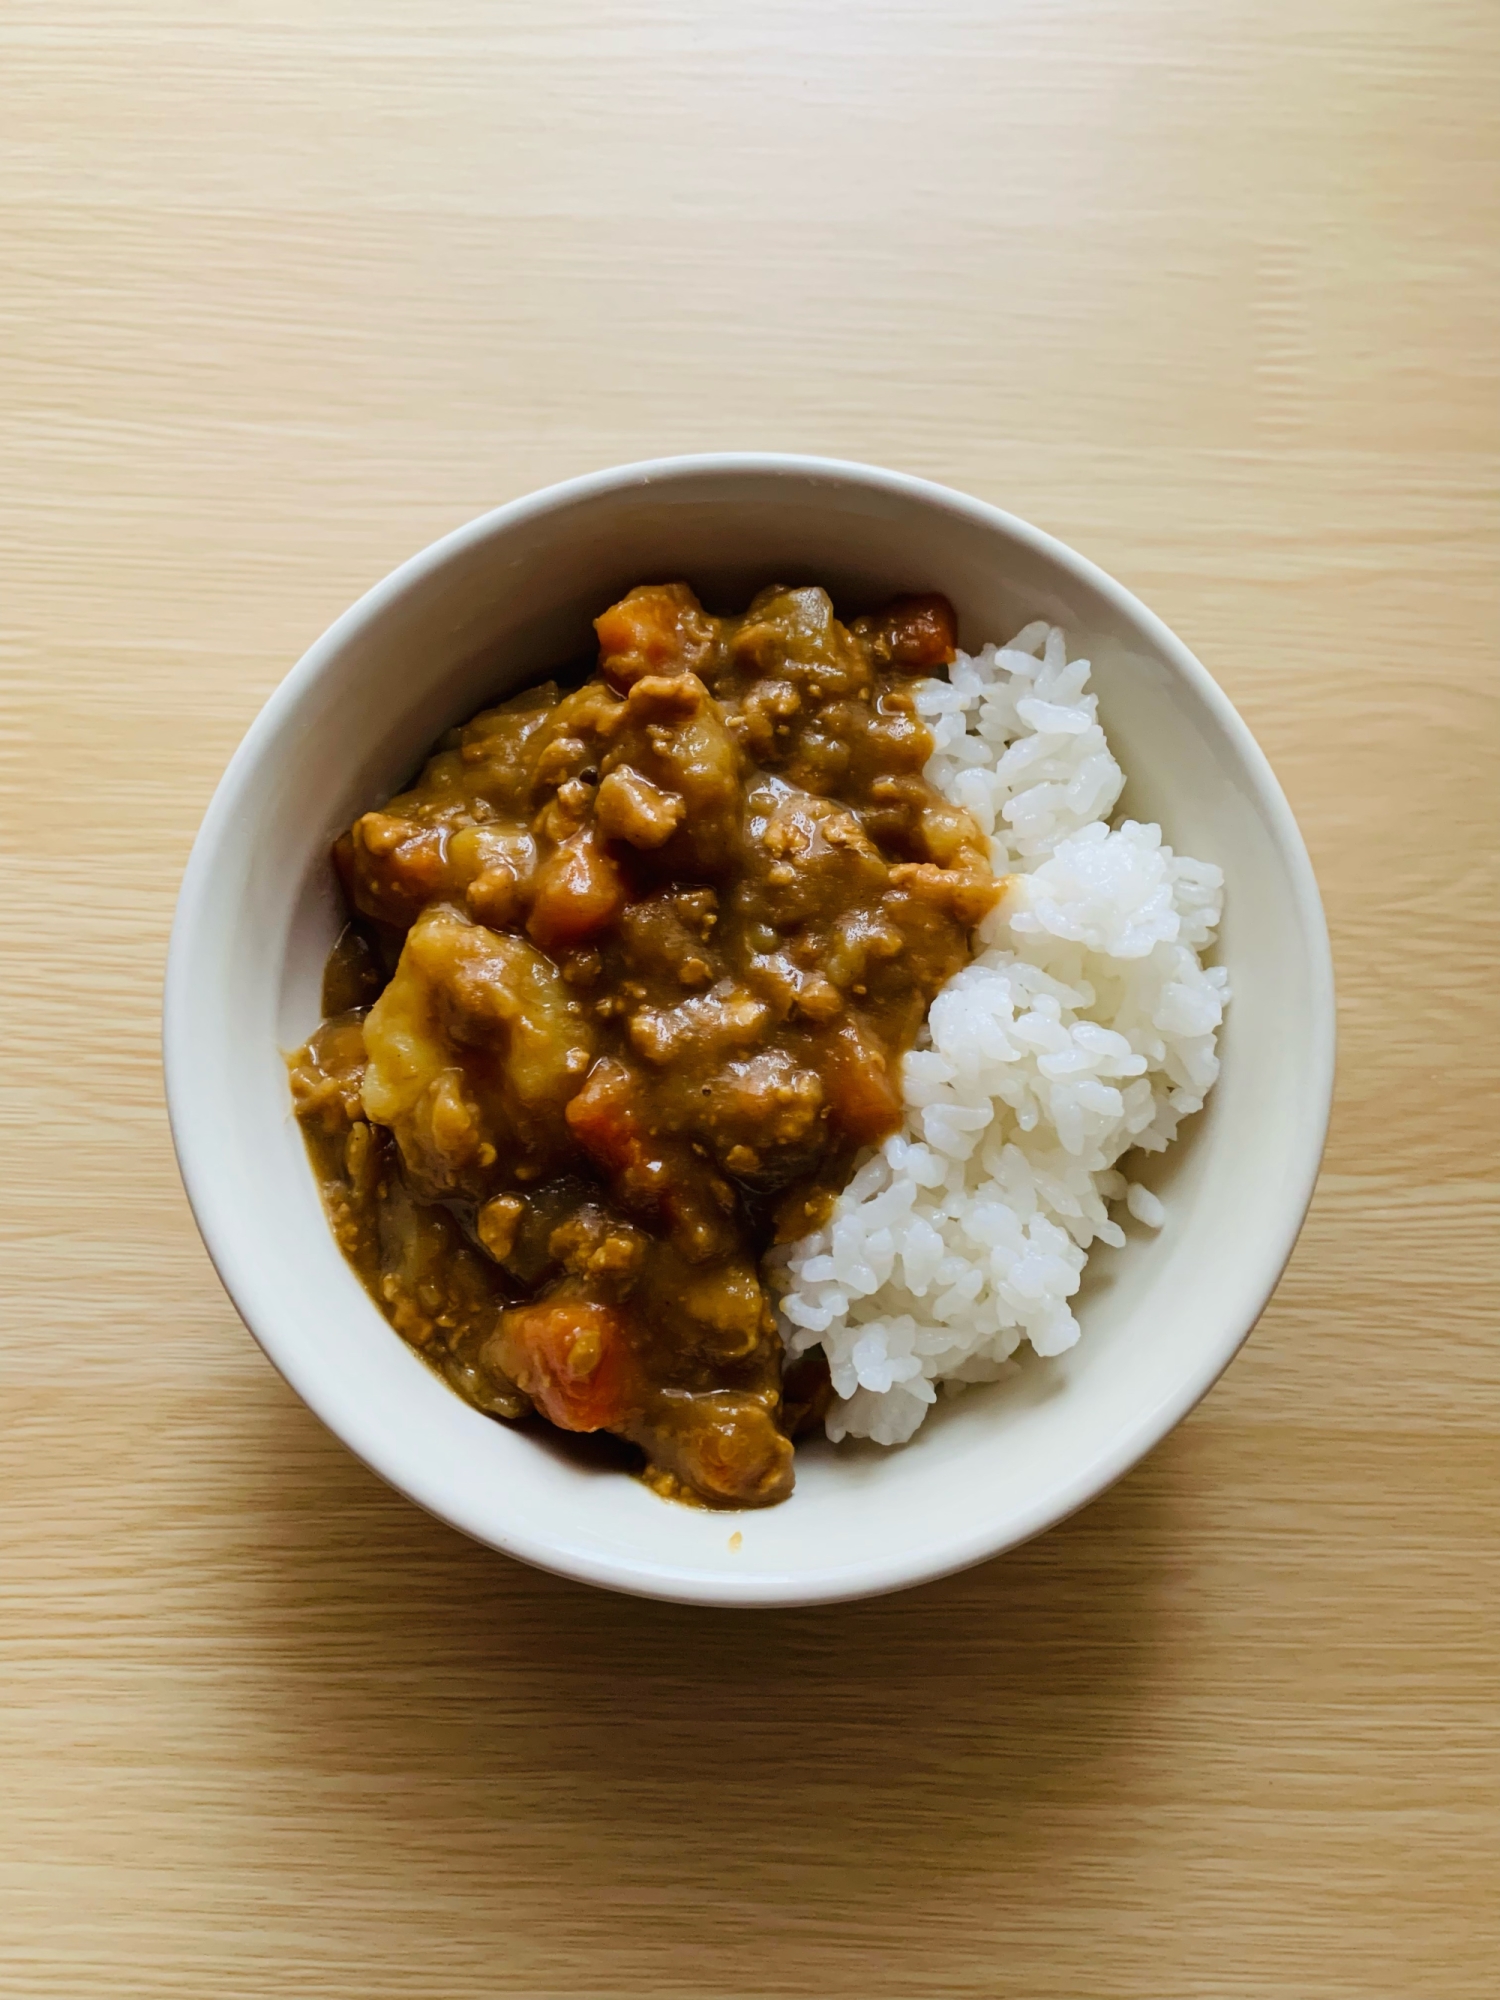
x: 579, y: 891
x: 658, y: 628
x: 922, y: 632
x: 864, y: 1100
x: 573, y: 1358
x: 602, y: 1117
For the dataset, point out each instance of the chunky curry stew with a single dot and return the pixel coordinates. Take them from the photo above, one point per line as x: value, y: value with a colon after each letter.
x: 627, y: 980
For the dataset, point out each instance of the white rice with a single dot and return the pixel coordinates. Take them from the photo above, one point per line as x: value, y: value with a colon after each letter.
x: 1084, y: 1026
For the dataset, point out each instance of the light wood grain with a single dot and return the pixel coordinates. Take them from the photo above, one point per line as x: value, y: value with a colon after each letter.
x: 1212, y: 292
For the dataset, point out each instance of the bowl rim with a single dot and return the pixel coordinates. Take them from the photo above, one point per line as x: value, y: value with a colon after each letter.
x: 233, y: 1259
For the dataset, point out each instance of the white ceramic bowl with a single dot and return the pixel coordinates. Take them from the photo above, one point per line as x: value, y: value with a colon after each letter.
x: 462, y: 624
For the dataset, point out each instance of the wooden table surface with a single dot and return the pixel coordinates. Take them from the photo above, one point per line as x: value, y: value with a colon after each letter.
x: 1209, y: 290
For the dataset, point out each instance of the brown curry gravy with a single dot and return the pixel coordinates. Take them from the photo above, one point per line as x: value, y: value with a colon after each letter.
x: 628, y: 978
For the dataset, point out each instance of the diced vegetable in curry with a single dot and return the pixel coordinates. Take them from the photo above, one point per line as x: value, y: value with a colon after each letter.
x: 628, y: 978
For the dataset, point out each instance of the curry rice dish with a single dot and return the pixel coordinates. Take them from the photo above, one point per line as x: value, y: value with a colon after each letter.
x: 623, y: 1003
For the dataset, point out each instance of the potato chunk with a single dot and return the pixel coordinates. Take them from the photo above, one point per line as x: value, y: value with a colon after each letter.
x: 807, y: 856
x: 723, y: 1446
x: 472, y: 1053
x: 631, y: 808
x: 675, y: 738
x: 762, y: 1118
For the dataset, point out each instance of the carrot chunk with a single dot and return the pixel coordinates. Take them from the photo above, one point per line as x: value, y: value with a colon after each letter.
x: 579, y: 890
x: 573, y: 1358
x: 864, y: 1098
x: 922, y: 632
x: 602, y: 1117
x: 659, y: 628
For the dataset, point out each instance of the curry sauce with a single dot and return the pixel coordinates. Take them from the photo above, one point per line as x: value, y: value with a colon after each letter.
x: 628, y: 978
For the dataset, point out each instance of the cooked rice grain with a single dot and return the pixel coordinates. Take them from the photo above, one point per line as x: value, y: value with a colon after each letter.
x: 1084, y: 1026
